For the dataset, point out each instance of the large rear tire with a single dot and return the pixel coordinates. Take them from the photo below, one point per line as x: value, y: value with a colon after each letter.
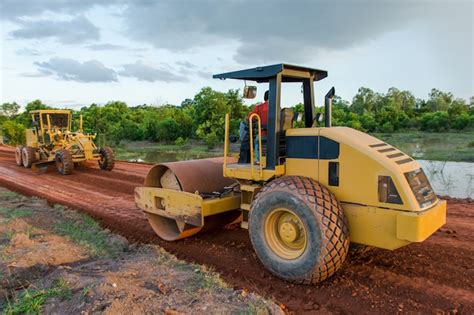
x: 28, y: 156
x: 64, y: 163
x: 107, y: 160
x: 298, y: 230
x: 18, y: 157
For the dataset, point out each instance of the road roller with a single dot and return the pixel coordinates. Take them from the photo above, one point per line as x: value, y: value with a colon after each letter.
x: 317, y: 191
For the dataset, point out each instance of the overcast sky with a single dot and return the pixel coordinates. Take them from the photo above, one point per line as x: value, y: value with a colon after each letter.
x: 77, y: 52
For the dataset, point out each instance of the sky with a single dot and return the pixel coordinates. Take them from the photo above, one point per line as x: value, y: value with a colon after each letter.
x: 71, y: 53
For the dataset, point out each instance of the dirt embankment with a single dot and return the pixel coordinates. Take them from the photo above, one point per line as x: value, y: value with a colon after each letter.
x: 57, y: 261
x: 434, y: 276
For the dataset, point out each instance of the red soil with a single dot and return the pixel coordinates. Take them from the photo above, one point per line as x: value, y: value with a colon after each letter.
x: 431, y: 277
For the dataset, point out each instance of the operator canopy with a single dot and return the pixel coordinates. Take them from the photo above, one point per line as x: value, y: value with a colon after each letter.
x: 265, y: 73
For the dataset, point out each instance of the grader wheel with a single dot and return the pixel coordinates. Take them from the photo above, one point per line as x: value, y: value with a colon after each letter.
x: 107, y: 160
x: 64, y: 163
x: 28, y: 156
x: 298, y: 230
x: 18, y: 153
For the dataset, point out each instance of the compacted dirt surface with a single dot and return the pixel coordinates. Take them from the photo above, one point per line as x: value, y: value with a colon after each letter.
x: 431, y: 277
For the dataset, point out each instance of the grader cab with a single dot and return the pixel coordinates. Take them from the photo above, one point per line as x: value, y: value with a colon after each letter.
x: 316, y: 191
x: 50, y: 141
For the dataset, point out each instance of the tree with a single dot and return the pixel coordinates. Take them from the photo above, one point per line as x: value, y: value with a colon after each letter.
x: 439, y: 101
x: 9, y: 109
x: 210, y: 108
x: 365, y: 100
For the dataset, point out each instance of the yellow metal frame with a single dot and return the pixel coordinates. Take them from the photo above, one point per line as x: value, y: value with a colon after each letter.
x: 175, y: 204
x: 391, y: 229
x: 247, y: 171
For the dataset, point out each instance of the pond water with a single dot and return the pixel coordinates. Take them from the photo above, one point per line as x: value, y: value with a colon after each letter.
x: 454, y: 179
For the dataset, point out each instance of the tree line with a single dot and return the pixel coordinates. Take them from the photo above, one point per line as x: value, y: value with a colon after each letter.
x: 203, y: 117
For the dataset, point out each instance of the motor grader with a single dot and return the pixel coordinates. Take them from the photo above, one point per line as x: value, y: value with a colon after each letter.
x: 51, y: 142
x: 316, y: 191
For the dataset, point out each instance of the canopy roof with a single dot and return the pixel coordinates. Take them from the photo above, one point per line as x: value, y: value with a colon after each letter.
x: 50, y: 111
x: 291, y: 73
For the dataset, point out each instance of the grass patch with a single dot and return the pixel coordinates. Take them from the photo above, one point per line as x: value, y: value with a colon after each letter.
x: 11, y: 214
x: 12, y: 196
x: 85, y: 231
x: 442, y: 146
x: 207, y: 279
x: 31, y: 301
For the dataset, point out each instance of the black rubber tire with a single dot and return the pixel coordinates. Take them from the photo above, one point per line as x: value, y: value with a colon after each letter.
x: 323, y: 219
x: 108, y: 160
x: 64, y: 163
x: 18, y: 153
x: 28, y: 156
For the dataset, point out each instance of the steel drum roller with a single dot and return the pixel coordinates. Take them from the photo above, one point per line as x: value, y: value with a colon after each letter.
x: 195, y: 176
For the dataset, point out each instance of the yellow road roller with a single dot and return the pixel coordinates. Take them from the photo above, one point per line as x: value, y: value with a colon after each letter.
x: 316, y: 191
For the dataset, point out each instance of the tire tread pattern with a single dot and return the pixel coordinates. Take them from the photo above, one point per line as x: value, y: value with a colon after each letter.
x: 18, y: 153
x: 109, y: 160
x: 333, y: 223
x: 30, y: 154
x: 66, y: 158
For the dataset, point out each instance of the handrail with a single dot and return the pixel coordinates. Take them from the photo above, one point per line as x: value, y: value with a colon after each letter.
x: 251, y: 117
x: 226, y: 141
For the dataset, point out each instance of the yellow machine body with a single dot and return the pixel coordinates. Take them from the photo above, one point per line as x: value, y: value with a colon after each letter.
x: 52, y: 132
x: 361, y: 161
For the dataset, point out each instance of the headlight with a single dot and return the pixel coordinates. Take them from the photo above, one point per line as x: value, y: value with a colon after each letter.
x: 387, y: 191
x: 421, y: 187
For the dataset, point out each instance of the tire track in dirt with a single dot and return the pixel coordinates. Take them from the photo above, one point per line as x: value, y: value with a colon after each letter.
x: 429, y: 277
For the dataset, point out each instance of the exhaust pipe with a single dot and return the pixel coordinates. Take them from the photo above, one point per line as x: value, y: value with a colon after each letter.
x: 328, y: 107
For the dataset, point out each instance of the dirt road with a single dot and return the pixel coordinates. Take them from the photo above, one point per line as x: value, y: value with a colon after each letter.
x: 437, y: 275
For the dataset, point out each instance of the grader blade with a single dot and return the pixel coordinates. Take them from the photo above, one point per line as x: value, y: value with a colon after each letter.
x: 43, y: 167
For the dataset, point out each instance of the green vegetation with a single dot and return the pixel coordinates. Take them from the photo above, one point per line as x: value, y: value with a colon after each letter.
x: 31, y: 301
x: 203, y: 116
x: 85, y: 231
x: 11, y: 214
x: 442, y: 146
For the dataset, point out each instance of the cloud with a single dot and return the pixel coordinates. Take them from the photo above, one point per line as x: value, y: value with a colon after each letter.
x: 77, y: 30
x: 72, y: 70
x: 13, y: 9
x: 294, y: 30
x: 186, y: 64
x: 105, y: 47
x: 144, y: 72
x: 25, y: 51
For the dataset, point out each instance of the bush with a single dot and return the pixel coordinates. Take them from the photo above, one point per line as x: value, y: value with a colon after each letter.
x: 368, y: 122
x: 168, y: 130
x: 211, y: 139
x: 387, y: 127
x: 13, y: 132
x: 181, y: 142
x: 461, y: 121
x: 436, y: 121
